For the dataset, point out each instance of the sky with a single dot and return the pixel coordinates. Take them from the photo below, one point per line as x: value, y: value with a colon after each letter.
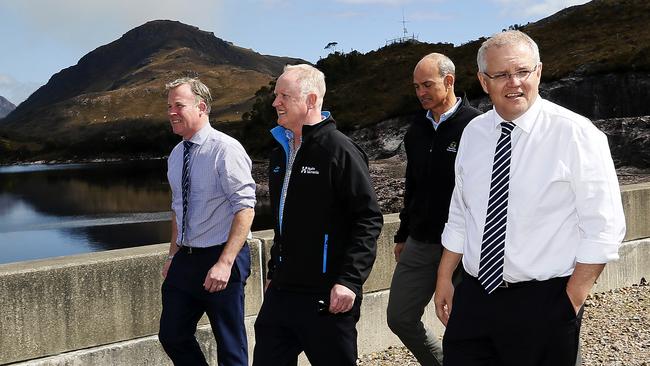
x: 42, y: 37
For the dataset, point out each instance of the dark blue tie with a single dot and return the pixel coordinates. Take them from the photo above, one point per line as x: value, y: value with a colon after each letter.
x: 185, y: 184
x: 490, y: 271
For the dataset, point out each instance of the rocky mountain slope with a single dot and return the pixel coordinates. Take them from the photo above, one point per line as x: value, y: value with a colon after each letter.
x: 113, y: 99
x: 596, y: 61
x: 5, y: 107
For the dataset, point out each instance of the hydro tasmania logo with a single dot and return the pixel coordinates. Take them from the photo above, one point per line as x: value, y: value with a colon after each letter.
x: 453, y: 147
x: 308, y: 170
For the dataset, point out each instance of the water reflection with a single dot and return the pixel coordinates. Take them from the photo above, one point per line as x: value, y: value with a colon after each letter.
x: 53, y: 210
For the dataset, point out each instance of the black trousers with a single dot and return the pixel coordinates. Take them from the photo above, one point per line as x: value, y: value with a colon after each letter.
x: 534, y: 324
x: 289, y: 323
x: 184, y: 301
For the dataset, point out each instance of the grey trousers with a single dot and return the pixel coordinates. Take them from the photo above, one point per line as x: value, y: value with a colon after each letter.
x: 411, y: 290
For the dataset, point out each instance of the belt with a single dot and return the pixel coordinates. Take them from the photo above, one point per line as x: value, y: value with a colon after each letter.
x: 505, y: 284
x: 198, y: 250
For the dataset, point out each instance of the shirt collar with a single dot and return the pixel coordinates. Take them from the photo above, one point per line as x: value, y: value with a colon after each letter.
x: 201, y: 135
x: 525, y: 121
x: 288, y: 134
x: 445, y: 115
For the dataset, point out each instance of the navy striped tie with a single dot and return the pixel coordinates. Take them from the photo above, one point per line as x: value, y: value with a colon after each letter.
x: 490, y: 271
x: 185, y: 184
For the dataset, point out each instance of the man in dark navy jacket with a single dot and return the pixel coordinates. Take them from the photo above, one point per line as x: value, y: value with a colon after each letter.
x: 327, y: 221
x: 431, y: 143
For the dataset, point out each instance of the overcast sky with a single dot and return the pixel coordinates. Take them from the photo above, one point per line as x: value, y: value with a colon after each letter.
x: 42, y: 37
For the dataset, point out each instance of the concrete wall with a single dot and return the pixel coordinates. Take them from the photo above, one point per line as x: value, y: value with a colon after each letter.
x: 636, y: 204
x: 102, y: 308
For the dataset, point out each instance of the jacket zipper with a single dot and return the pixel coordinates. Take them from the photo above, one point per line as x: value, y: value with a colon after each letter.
x: 325, y: 253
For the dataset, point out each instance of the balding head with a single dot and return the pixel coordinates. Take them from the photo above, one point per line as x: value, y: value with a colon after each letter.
x: 433, y: 80
x: 439, y: 62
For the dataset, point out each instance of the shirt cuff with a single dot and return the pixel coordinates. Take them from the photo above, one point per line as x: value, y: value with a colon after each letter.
x: 597, y: 252
x: 242, y: 204
x: 453, y: 240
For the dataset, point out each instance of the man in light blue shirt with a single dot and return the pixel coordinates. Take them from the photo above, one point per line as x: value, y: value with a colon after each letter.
x: 213, y: 200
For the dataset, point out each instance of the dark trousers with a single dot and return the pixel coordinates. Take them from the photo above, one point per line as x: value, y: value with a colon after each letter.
x: 289, y: 323
x: 411, y: 289
x: 534, y: 324
x: 184, y: 301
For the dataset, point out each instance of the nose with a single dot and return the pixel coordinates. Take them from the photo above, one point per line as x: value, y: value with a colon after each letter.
x: 513, y: 80
x: 276, y: 101
x: 420, y: 92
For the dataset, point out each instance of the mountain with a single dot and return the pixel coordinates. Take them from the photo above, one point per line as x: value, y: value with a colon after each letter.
x: 113, y: 100
x: 5, y: 107
x: 596, y: 60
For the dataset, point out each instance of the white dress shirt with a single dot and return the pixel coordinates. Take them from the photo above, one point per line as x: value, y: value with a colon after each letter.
x: 564, y: 201
x: 221, y: 185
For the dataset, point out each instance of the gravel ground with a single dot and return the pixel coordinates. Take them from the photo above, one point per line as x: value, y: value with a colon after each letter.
x: 615, y: 332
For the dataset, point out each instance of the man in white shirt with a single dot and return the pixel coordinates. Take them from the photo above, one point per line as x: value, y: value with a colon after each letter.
x: 535, y: 215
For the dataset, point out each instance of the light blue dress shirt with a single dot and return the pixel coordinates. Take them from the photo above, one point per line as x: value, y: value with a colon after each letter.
x: 221, y: 184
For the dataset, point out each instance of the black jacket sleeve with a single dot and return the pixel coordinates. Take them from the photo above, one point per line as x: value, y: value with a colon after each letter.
x: 404, y: 217
x: 363, y: 216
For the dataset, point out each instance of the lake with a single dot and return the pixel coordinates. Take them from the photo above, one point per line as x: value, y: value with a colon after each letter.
x: 62, y: 209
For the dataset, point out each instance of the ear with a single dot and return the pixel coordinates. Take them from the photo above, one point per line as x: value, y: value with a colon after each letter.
x: 449, y: 81
x: 311, y: 100
x: 481, y: 79
x: 202, y: 106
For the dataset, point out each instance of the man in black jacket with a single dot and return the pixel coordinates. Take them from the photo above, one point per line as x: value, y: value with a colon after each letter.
x: 327, y: 221
x: 431, y: 144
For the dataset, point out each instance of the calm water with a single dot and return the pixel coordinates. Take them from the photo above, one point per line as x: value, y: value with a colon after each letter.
x: 54, y: 210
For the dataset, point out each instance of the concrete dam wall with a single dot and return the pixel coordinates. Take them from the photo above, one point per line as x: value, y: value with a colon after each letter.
x: 103, y: 308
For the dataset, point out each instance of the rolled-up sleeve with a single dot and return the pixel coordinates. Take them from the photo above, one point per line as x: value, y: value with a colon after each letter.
x: 236, y: 179
x: 453, y: 235
x: 598, y: 198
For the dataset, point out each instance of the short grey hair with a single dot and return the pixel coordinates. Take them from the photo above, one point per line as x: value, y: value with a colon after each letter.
x: 310, y: 80
x: 201, y: 91
x: 444, y: 63
x: 507, y: 38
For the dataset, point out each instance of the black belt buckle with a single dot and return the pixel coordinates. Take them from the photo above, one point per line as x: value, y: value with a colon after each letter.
x: 185, y: 248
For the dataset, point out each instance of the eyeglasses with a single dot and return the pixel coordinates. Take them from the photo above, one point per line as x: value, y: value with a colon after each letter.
x: 520, y: 75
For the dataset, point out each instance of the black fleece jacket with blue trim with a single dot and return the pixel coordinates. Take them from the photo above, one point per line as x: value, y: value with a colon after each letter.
x: 331, y: 218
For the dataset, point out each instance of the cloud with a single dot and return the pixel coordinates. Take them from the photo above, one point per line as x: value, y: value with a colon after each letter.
x: 535, y: 7
x: 83, y: 22
x: 370, y: 2
x: 349, y: 14
x: 15, y: 91
x: 430, y: 16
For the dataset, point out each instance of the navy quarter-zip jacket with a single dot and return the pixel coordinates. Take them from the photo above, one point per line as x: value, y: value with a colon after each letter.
x: 331, y: 218
x: 430, y: 178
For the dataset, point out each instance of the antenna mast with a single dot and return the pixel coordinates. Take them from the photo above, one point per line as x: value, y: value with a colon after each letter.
x: 404, y: 21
